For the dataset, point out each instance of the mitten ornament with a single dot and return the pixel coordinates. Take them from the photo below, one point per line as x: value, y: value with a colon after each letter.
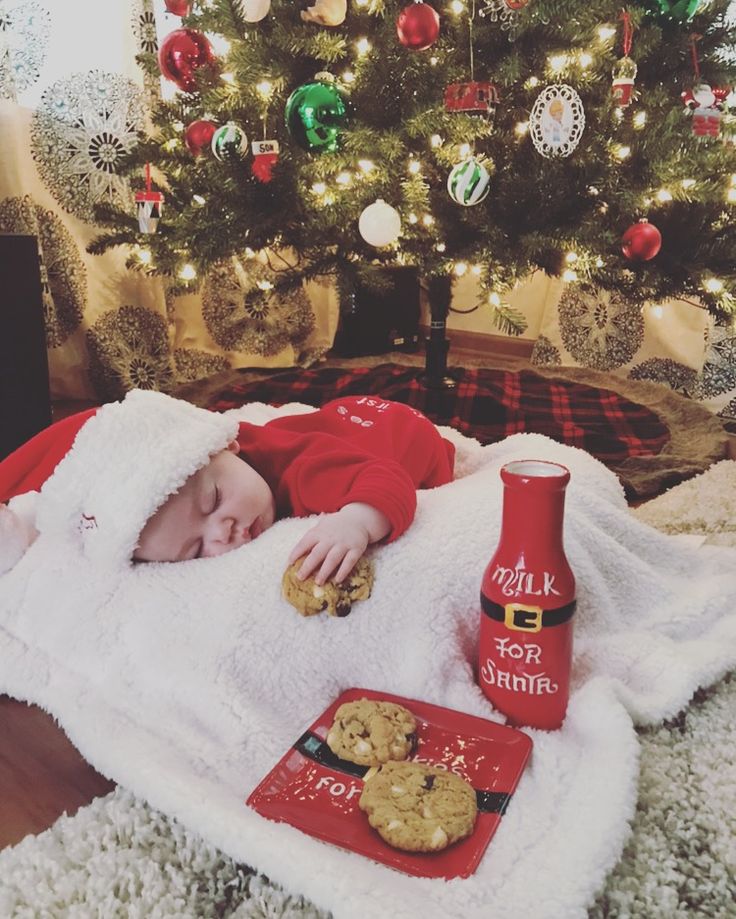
x: 265, y: 156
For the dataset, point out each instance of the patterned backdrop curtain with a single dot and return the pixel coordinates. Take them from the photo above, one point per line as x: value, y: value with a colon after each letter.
x: 676, y: 343
x: 72, y: 102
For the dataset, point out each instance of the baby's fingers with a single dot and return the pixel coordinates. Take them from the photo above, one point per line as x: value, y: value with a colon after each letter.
x: 332, y: 561
x: 305, y: 544
x: 312, y: 561
x: 348, y: 563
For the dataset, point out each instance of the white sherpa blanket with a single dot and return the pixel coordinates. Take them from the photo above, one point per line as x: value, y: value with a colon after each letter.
x: 187, y: 682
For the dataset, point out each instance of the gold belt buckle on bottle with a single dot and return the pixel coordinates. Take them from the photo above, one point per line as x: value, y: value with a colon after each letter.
x: 530, y: 619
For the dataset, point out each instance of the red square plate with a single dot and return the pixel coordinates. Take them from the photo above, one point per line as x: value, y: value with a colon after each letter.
x: 317, y: 792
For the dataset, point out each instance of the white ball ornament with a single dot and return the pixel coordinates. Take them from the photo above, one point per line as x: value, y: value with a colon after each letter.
x: 469, y: 182
x: 254, y: 10
x: 380, y: 224
x: 229, y: 143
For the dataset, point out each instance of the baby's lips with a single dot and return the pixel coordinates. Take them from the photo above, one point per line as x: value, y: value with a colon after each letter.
x: 253, y: 531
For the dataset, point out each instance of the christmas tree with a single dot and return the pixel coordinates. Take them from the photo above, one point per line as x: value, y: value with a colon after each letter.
x: 498, y: 136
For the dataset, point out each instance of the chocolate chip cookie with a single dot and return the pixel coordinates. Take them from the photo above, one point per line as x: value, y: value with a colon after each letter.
x: 309, y: 598
x: 370, y: 733
x: 419, y: 808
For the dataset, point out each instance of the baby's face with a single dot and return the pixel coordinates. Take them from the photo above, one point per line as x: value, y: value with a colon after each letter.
x: 221, y: 507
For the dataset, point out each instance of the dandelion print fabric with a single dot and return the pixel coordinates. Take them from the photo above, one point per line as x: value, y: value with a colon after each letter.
x: 73, y: 103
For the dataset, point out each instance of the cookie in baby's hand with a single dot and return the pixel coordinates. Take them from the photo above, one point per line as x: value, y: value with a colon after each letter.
x: 370, y: 733
x: 309, y: 598
x: 419, y: 808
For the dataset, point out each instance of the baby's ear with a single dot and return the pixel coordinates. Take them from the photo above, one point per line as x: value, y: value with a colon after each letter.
x: 233, y: 446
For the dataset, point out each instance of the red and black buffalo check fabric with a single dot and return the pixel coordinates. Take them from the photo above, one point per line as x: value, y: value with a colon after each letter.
x: 486, y: 404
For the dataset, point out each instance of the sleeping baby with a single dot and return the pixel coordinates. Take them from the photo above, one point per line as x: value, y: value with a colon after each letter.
x: 357, y: 462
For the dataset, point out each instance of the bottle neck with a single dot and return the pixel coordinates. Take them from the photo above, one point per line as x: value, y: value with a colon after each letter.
x: 533, y: 515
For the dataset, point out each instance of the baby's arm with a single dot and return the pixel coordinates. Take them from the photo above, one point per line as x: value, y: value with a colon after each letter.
x: 338, y: 540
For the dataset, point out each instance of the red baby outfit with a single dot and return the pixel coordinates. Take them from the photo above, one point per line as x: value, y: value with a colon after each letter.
x: 357, y: 448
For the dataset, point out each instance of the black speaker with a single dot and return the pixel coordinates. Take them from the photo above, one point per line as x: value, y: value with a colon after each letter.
x: 25, y: 401
x: 375, y: 321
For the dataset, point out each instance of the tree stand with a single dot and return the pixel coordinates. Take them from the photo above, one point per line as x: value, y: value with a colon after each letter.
x: 436, y: 375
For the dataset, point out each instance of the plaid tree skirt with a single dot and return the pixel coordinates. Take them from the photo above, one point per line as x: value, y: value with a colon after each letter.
x: 486, y: 404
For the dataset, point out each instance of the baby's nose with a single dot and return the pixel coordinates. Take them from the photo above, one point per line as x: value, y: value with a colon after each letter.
x: 221, y: 535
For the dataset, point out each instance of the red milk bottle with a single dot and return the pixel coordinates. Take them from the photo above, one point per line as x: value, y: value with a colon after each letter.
x: 528, y: 600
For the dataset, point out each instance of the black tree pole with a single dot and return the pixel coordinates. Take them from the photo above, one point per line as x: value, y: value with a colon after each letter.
x: 436, y: 376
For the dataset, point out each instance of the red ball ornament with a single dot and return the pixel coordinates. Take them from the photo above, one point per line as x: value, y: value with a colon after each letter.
x: 181, y: 53
x: 641, y: 242
x: 178, y: 7
x: 418, y: 26
x: 198, y: 136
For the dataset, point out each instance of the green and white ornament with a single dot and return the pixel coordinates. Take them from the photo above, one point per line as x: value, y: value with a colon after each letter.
x: 229, y: 143
x: 469, y: 182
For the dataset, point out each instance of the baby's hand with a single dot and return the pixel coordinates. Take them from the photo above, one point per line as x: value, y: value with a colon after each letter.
x: 338, y: 540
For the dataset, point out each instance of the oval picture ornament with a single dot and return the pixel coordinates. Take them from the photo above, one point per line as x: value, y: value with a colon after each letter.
x: 557, y: 121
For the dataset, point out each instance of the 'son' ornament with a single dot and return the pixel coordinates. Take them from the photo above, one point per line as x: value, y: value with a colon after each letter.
x: 641, y: 242
x: 265, y: 157
x: 557, y: 120
x: 229, y: 142
x: 379, y: 224
x: 315, y: 115
x: 418, y: 26
x: 254, y: 10
x: 469, y: 182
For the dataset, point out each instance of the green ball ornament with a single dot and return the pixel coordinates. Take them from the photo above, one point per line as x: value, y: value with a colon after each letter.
x: 681, y: 10
x: 315, y: 115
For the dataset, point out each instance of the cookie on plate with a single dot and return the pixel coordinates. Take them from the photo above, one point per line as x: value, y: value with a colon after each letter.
x: 309, y: 598
x: 370, y: 733
x: 419, y: 808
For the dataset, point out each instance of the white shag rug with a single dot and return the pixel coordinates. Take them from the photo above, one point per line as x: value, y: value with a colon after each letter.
x: 119, y: 858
